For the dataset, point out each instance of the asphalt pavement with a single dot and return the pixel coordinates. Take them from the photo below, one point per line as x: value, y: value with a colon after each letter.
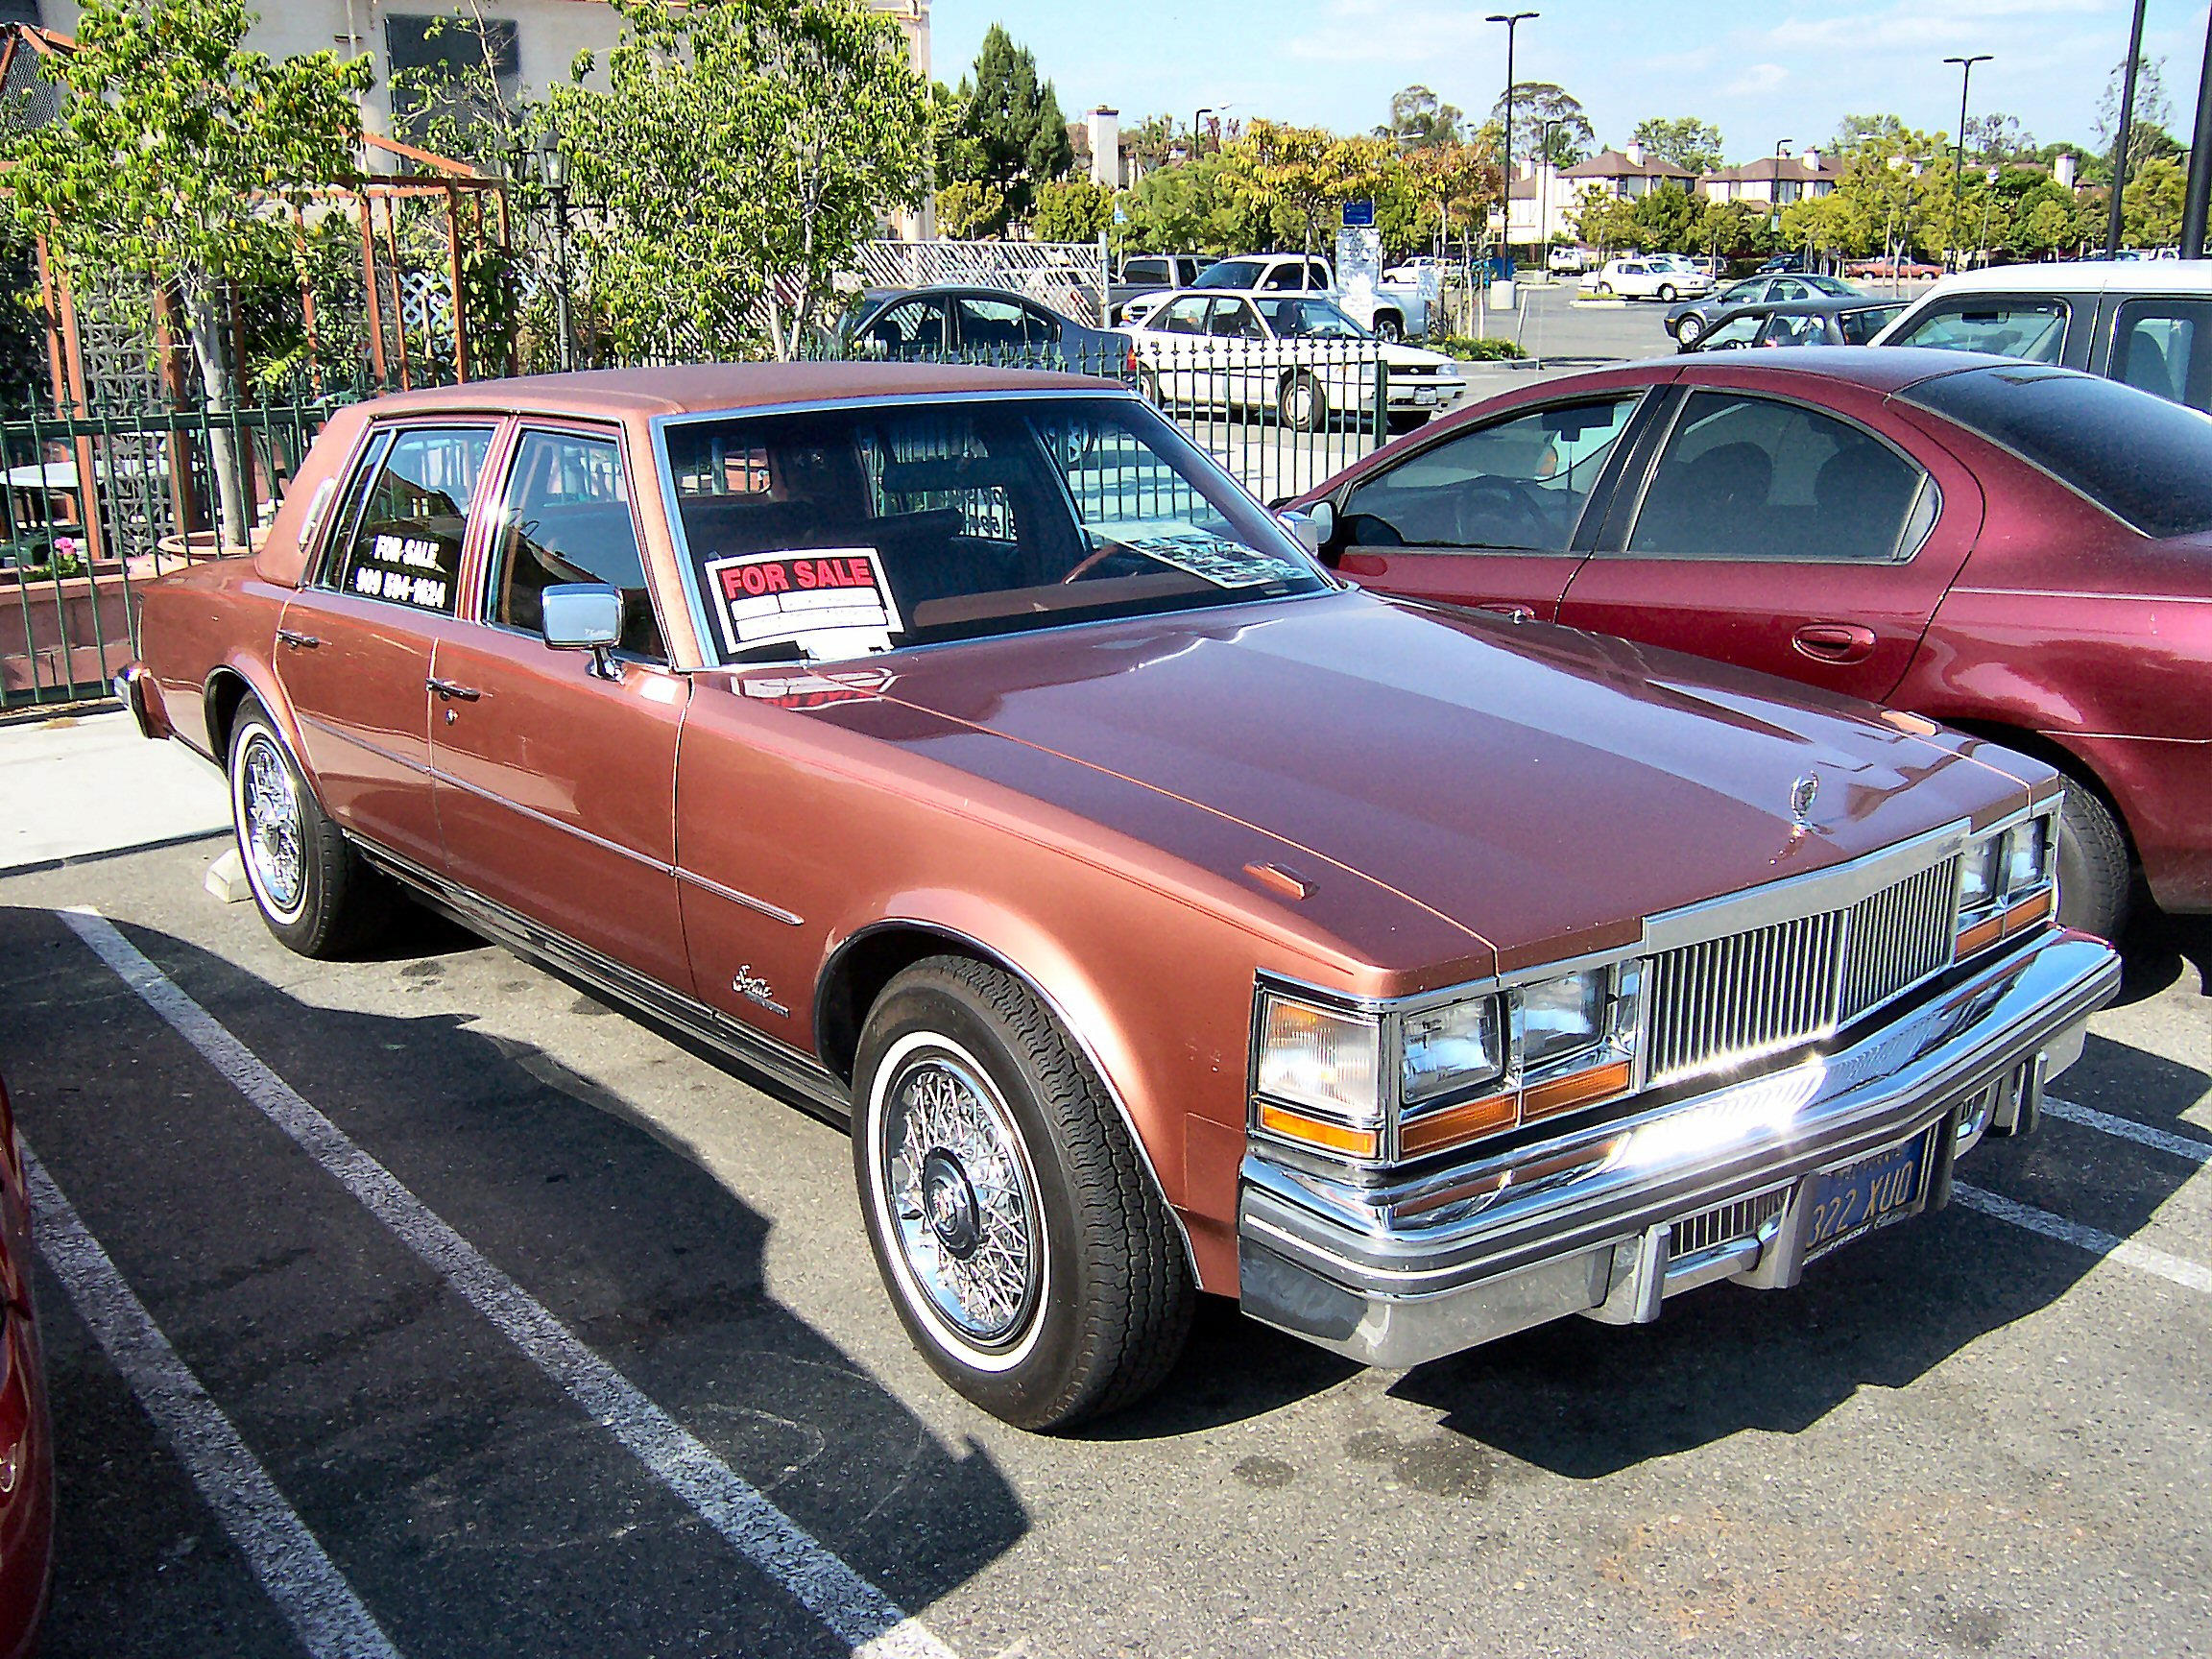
x: 447, y: 1310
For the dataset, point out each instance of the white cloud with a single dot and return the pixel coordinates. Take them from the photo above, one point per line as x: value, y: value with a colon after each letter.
x: 1759, y: 78
x: 1916, y: 25
x: 1374, y: 32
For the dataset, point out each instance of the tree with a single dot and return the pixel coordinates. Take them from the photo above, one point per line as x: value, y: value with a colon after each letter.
x: 1606, y: 222
x: 968, y: 210
x: 1996, y: 138
x: 1663, y: 218
x: 1072, y: 211
x: 174, y: 153
x: 1419, y: 120
x: 1853, y: 131
x: 1536, y: 101
x: 1686, y: 141
x: 2147, y: 134
x: 2150, y: 207
x: 737, y: 156
x: 1151, y: 141
x: 1011, y: 134
x: 1298, y: 173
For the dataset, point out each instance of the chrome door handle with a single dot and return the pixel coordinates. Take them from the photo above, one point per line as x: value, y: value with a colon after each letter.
x: 447, y: 691
x: 298, y: 640
x: 1834, y: 641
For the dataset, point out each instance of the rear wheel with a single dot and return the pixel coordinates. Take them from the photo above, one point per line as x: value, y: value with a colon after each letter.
x: 1389, y: 328
x: 1148, y: 386
x: 1666, y: 293
x: 312, y: 886
x: 1303, y: 404
x: 1025, y: 1249
x: 1604, y: 290
x: 2095, y: 877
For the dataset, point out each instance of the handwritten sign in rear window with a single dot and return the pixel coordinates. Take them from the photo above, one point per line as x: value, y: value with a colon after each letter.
x: 830, y: 602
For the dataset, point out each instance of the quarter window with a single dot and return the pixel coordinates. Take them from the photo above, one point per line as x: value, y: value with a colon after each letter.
x: 407, y: 528
x: 2164, y: 346
x: 1518, y: 483
x: 2001, y: 324
x: 566, y: 518
x: 1756, y: 478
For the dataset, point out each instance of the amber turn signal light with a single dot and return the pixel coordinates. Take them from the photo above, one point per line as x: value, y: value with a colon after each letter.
x: 1580, y: 1090
x: 1318, y: 1131
x: 1455, y: 1124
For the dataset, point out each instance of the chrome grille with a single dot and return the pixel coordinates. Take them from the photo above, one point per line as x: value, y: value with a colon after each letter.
x: 1724, y: 1001
x: 1899, y: 935
x: 1740, y: 1218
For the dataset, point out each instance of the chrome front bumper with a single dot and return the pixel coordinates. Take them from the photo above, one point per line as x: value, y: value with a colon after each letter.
x: 1608, y: 1220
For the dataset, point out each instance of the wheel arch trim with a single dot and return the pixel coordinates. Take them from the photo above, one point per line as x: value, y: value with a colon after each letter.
x: 273, y: 703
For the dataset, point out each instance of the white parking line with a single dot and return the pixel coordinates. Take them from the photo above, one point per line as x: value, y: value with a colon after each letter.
x: 860, y: 1614
x: 311, y: 1592
x: 2197, y: 1152
x: 2189, y: 1275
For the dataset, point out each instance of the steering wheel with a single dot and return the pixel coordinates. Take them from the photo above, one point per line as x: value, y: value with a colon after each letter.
x: 1486, y: 496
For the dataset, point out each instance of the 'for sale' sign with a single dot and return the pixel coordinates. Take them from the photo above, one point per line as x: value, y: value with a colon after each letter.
x: 830, y: 602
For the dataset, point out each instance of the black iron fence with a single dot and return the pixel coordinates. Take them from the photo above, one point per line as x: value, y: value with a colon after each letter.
x: 93, y: 506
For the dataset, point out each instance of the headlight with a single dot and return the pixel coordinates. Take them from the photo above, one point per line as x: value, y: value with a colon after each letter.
x: 1322, y: 1059
x: 2028, y: 856
x: 1453, y: 1048
x: 1981, y: 875
x: 1562, y: 1018
x: 2005, y: 883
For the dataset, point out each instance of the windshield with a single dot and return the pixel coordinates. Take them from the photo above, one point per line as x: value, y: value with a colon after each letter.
x: 2145, y: 461
x: 833, y: 533
x: 1309, y: 319
x: 1230, y: 273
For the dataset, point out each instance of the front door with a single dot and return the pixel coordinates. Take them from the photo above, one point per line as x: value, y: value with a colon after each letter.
x: 555, y: 783
x: 354, y: 646
x: 1486, y: 517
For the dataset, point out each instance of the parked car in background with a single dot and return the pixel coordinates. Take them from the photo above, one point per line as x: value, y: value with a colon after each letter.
x: 1646, y: 279
x: 1692, y: 318
x: 1567, y: 261
x: 968, y: 755
x: 1892, y: 268
x: 1852, y: 321
x: 1395, y: 315
x: 1782, y: 262
x: 2147, y: 323
x: 26, y: 1429
x: 2021, y: 552
x: 924, y: 324
x: 1296, y: 354
x: 1150, y: 274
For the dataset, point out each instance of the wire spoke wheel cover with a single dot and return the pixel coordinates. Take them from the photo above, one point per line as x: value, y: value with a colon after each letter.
x: 270, y: 826
x: 960, y: 1196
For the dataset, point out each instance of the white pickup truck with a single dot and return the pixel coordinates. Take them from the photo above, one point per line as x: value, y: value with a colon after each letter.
x: 1392, y: 314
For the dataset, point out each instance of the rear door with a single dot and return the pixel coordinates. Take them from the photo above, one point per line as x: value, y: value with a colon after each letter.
x: 1490, y: 514
x: 1808, y: 542
x: 354, y: 646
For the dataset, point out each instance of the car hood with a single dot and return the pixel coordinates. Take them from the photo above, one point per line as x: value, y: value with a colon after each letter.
x: 1541, y: 788
x: 1414, y: 357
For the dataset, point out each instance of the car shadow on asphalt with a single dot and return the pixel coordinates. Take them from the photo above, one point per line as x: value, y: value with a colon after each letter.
x: 1585, y: 1400
x: 2158, y: 949
x: 655, y: 1265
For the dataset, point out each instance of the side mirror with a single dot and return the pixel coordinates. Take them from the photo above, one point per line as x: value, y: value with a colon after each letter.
x: 1313, y: 526
x: 583, y: 616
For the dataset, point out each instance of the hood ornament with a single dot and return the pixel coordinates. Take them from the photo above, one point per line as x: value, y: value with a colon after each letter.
x: 1801, y: 796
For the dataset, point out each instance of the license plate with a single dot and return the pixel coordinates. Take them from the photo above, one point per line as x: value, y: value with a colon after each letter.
x: 1871, y: 1193
x: 1423, y: 394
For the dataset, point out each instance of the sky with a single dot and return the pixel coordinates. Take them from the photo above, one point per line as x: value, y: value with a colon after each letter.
x: 1760, y: 70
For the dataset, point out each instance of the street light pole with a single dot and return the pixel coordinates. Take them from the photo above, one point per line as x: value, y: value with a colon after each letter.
x: 553, y: 168
x: 1513, y: 21
x: 2198, y: 197
x: 1198, y: 130
x: 1546, y: 175
x: 2126, y: 122
x: 1958, y: 168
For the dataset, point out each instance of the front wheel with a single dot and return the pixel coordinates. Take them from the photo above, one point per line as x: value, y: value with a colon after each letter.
x: 1303, y: 404
x: 1149, y: 385
x: 1690, y: 330
x: 1025, y: 1248
x: 312, y: 888
x: 1604, y: 290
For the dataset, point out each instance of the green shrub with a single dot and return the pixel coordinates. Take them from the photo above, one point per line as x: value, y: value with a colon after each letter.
x: 1494, y: 350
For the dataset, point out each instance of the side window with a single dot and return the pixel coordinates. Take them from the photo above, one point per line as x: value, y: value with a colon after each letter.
x: 906, y: 330
x: 2164, y: 348
x: 1756, y: 478
x: 1233, y: 319
x: 992, y: 324
x: 1738, y: 331
x: 1861, y: 326
x: 1790, y: 328
x: 2029, y: 329
x: 405, y: 540
x: 1789, y: 288
x: 1518, y: 483
x: 1185, y: 315
x: 1288, y: 279
x: 566, y: 518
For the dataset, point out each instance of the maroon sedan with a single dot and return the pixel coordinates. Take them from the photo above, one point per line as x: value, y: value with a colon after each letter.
x: 26, y: 1440
x: 2017, y: 550
x: 966, y: 752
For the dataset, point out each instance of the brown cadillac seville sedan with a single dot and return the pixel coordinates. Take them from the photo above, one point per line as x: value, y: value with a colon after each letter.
x: 966, y: 753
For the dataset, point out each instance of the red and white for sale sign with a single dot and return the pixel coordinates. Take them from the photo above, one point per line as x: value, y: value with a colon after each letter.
x: 830, y: 602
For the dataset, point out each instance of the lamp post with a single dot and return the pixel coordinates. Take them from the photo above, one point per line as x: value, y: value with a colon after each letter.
x: 2127, y: 124
x: 553, y: 171
x: 1198, y: 130
x: 1958, y: 168
x: 1546, y: 175
x: 1513, y: 21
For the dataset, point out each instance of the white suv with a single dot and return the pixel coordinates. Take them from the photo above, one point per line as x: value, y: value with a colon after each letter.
x: 1657, y: 278
x: 2144, y: 322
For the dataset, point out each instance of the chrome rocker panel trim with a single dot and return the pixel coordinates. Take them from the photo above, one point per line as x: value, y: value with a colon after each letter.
x: 1397, y: 1274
